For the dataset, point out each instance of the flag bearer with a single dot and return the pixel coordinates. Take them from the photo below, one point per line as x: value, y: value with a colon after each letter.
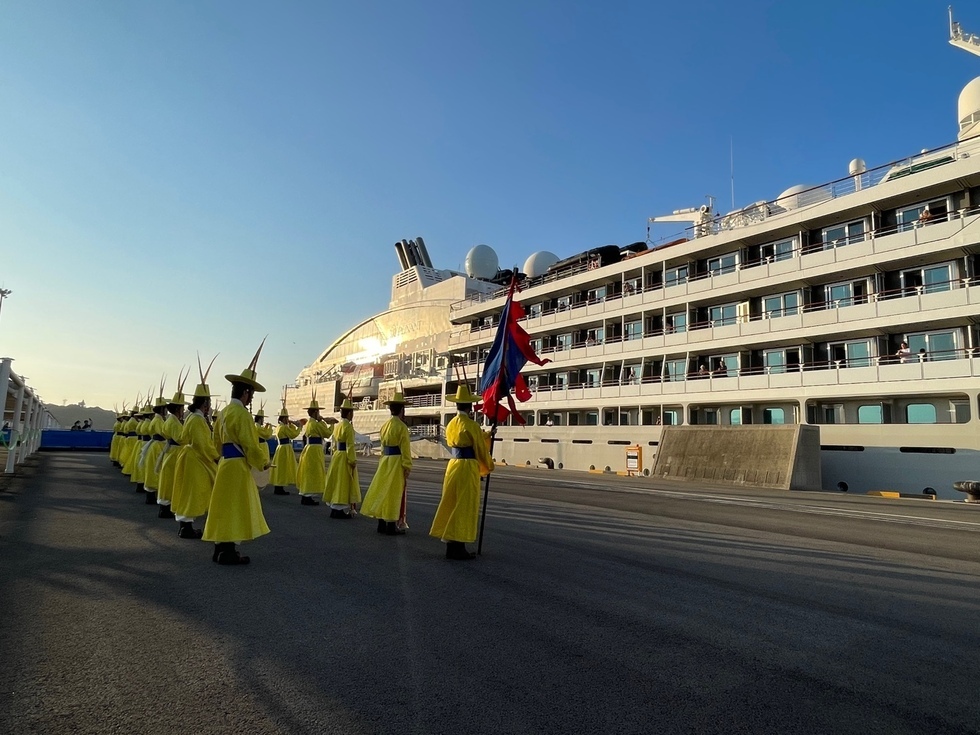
x: 456, y: 517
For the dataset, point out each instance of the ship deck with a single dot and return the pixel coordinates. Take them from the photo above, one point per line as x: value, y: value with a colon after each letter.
x: 601, y: 604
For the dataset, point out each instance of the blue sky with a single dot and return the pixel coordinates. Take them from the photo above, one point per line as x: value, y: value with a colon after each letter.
x: 182, y: 176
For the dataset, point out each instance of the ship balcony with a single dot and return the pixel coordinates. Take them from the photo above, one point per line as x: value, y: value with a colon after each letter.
x: 955, y: 371
x: 955, y: 230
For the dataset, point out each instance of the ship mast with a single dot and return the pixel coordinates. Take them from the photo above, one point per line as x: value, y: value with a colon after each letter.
x: 966, y: 41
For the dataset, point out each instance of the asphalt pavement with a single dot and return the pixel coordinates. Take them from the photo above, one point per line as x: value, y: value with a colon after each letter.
x: 601, y: 604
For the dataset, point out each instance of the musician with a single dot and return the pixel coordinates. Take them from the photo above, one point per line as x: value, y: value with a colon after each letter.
x: 342, y: 489
x: 284, y: 461
x: 311, y: 477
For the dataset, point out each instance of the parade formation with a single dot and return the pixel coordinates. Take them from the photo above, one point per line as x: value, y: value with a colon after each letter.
x: 193, y: 463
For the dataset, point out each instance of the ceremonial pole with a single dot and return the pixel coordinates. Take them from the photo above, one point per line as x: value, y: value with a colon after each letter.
x: 493, y: 427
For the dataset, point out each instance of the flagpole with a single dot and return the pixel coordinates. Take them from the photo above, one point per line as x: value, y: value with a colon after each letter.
x: 493, y: 429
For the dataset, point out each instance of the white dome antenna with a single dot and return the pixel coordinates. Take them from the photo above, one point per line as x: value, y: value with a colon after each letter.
x: 481, y: 262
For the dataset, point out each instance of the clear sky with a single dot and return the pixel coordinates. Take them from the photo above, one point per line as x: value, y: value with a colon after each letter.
x: 181, y: 176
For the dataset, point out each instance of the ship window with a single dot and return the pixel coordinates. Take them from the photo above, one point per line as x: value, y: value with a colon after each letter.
x: 676, y: 323
x: 633, y: 330
x: 671, y: 417
x: 843, y: 234
x: 591, y: 418
x: 592, y: 378
x: 676, y: 276
x: 561, y: 380
x: 631, y: 375
x: 722, y: 264
x: 787, y: 304
x: 909, y: 217
x: 735, y: 417
x: 773, y: 416
x: 840, y: 294
x: 564, y: 303
x: 597, y: 294
x: 719, y: 316
x: 710, y: 416
x: 833, y: 414
x: 675, y: 370
x: 632, y: 286
x: 937, y: 346
x: 870, y: 414
x: 722, y: 366
x: 920, y: 413
x: 534, y: 310
x: 782, y: 250
x: 563, y: 341
x: 960, y: 408
x: 851, y: 354
x: 595, y: 336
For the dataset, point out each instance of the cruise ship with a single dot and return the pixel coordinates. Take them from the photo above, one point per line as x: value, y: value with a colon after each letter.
x: 853, y: 305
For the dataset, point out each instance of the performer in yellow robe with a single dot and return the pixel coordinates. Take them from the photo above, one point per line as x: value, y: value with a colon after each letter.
x: 196, y: 465
x: 458, y: 513
x: 158, y: 440
x: 284, y: 461
x: 385, y: 497
x: 235, y: 514
x: 311, y: 477
x: 343, y: 489
x: 118, y: 438
x: 173, y: 427
x: 126, y: 453
x: 142, y: 439
x: 265, y: 434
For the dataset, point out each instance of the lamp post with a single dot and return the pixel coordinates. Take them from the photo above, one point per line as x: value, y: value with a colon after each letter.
x: 4, y: 293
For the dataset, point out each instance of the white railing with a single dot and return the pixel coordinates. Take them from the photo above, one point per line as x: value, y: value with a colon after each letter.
x: 24, y: 416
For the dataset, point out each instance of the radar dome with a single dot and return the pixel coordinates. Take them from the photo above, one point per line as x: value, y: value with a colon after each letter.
x: 968, y: 105
x: 481, y: 262
x: 538, y: 263
x: 794, y: 197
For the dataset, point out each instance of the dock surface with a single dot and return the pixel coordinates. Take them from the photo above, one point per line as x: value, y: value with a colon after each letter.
x: 600, y: 605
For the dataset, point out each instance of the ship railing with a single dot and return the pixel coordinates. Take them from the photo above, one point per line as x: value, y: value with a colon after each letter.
x: 760, y: 211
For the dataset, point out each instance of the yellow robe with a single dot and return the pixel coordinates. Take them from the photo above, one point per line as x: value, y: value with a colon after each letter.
x: 139, y: 470
x: 126, y: 451
x: 151, y: 478
x: 265, y: 434
x: 284, y: 472
x: 342, y: 485
x: 172, y: 429
x: 195, y: 467
x: 311, y: 476
x: 459, y: 509
x: 114, y: 444
x: 384, y: 496
x: 235, y: 513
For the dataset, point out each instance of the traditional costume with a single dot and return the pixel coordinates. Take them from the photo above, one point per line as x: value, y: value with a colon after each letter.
x: 311, y: 476
x: 458, y: 513
x: 139, y: 453
x: 235, y: 513
x: 386, y: 496
x: 166, y: 465
x: 342, y: 488
x: 126, y: 450
x: 265, y: 433
x: 196, y: 462
x: 156, y: 445
x: 284, y: 460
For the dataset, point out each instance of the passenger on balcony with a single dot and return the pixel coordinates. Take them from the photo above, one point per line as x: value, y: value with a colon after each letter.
x: 922, y: 355
x: 926, y: 216
x: 904, y: 353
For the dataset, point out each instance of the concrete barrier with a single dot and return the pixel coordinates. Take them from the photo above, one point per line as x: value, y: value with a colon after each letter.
x: 783, y: 457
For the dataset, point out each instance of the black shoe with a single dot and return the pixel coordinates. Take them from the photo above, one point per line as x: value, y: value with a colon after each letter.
x: 151, y: 497
x: 230, y: 557
x: 140, y: 488
x: 218, y: 548
x: 280, y: 490
x: 335, y: 513
x: 456, y: 550
x: 382, y: 526
x: 187, y: 530
x: 307, y: 500
x: 392, y: 529
x: 165, y: 512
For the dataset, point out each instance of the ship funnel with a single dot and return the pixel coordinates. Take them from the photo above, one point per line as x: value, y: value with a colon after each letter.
x: 409, y: 253
x: 426, y: 260
x: 402, y: 258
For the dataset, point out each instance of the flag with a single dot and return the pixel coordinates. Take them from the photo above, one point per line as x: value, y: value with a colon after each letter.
x: 508, y: 355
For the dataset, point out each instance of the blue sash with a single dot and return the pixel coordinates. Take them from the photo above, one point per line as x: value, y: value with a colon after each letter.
x: 285, y: 441
x: 341, y: 446
x: 463, y: 452
x: 388, y: 451
x: 314, y: 440
x: 230, y: 451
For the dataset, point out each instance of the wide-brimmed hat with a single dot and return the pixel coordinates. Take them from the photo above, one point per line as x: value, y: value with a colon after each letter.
x: 314, y: 406
x: 347, y: 405
x: 397, y: 398
x: 260, y: 414
x: 248, y: 375
x: 203, y: 390
x: 463, y: 395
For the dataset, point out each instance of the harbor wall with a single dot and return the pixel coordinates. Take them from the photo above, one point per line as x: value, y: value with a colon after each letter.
x: 785, y: 457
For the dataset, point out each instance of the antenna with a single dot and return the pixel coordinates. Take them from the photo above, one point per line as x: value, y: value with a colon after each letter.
x: 731, y: 150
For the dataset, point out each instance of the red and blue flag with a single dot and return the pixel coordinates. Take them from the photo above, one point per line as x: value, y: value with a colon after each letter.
x: 510, y: 352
